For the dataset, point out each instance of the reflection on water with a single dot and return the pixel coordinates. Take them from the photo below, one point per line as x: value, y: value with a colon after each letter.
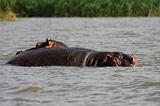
x: 82, y: 86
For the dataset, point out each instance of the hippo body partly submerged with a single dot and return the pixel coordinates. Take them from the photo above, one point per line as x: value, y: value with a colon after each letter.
x: 71, y: 57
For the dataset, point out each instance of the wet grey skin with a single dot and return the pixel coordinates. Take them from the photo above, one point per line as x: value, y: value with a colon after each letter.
x: 71, y: 57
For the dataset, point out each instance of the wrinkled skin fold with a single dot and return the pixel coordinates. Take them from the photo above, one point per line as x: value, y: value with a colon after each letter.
x: 68, y: 56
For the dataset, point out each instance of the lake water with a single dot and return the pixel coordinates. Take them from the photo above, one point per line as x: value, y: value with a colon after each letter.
x: 82, y: 86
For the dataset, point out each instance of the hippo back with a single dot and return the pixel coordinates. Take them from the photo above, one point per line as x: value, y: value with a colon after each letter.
x: 51, y: 56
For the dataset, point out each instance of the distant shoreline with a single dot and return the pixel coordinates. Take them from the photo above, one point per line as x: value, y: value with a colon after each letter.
x: 82, y: 8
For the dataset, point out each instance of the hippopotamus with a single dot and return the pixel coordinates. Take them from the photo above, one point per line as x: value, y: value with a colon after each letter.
x: 70, y: 56
x: 47, y: 44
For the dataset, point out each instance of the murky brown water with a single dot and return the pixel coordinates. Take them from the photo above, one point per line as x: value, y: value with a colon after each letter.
x: 76, y: 86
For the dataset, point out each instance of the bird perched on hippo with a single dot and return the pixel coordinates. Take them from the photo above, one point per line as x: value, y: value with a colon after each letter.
x: 55, y: 53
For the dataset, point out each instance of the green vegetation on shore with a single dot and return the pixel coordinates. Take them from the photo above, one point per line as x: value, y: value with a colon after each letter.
x: 6, y: 12
x: 84, y: 8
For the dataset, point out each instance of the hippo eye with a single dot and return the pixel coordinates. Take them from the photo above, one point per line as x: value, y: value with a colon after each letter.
x: 108, y: 56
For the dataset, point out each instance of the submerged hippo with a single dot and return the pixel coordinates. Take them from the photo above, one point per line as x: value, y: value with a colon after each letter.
x: 47, y: 44
x: 68, y: 56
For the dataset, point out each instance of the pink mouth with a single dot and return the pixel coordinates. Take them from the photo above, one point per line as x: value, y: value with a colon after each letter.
x: 134, y: 61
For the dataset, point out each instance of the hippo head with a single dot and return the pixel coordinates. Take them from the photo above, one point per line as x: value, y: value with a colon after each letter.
x: 102, y: 59
x: 122, y: 59
x: 119, y: 59
x: 50, y: 44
